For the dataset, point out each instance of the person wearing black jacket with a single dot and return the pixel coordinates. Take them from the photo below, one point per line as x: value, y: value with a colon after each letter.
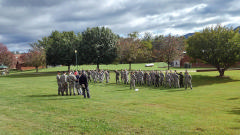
x: 84, y: 84
x: 181, y: 80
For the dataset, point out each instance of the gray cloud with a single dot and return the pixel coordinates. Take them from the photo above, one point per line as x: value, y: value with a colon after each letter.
x: 27, y: 21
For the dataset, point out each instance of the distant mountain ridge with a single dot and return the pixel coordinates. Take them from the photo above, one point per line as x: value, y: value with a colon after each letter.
x: 190, y: 34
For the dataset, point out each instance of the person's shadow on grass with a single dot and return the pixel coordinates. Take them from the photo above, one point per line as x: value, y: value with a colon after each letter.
x: 55, y: 97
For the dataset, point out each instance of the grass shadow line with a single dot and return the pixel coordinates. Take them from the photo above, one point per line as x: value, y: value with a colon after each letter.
x: 235, y: 111
x: 202, y: 80
x: 50, y: 95
x: 35, y: 74
x: 236, y: 98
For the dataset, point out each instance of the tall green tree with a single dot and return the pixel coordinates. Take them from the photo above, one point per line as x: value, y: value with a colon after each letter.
x: 61, y: 48
x: 218, y: 46
x: 98, y: 46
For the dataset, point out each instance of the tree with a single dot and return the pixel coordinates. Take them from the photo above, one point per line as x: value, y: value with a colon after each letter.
x: 6, y: 57
x: 60, y: 48
x: 129, y: 49
x: 172, y: 48
x: 41, y: 45
x: 147, y: 36
x: 98, y: 46
x: 218, y: 46
x: 35, y: 57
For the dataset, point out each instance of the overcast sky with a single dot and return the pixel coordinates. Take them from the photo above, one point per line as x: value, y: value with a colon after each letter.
x: 26, y: 21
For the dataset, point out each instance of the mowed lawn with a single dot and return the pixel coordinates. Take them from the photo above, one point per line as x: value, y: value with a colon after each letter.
x: 29, y: 105
x: 157, y: 66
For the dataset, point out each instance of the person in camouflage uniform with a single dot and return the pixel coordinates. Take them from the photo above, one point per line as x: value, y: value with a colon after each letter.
x: 140, y: 77
x: 153, y: 76
x: 59, y: 82
x: 157, y: 79
x: 188, y: 81
x: 89, y: 76
x: 122, y: 76
x: 148, y: 78
x: 125, y: 76
x: 64, y: 83
x: 71, y: 80
x: 167, y: 80
x: 171, y: 78
x: 101, y: 76
x: 107, y: 76
x: 94, y: 75
x: 77, y: 85
x: 145, y: 78
x: 136, y: 74
x: 176, y: 79
x: 132, y: 80
x: 161, y: 78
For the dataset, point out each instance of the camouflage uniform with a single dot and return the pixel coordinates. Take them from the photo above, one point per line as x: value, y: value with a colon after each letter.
x: 188, y: 81
x: 140, y: 77
x: 122, y: 75
x: 59, y: 84
x: 153, y: 77
x: 125, y: 77
x: 172, y: 79
x: 157, y: 79
x: 64, y: 83
x: 117, y: 77
x: 132, y: 81
x: 176, y: 80
x: 161, y: 78
x: 71, y: 79
x: 89, y: 76
x: 168, y: 80
x: 107, y: 76
x: 94, y: 75
x: 136, y: 74
x: 77, y: 85
x: 101, y: 76
x: 148, y: 78
x: 145, y: 77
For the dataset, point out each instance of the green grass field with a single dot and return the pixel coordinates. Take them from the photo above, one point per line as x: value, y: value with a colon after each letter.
x: 157, y: 66
x: 29, y: 105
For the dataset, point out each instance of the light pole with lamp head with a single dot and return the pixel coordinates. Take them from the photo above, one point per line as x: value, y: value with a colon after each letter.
x: 76, y: 58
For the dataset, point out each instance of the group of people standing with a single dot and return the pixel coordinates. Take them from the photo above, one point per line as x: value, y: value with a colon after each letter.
x: 78, y: 80
x: 73, y: 81
x: 155, y: 78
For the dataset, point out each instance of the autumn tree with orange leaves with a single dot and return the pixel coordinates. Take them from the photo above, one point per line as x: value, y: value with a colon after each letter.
x: 6, y: 57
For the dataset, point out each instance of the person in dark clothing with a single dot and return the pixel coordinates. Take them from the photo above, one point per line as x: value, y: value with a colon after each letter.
x: 157, y: 79
x: 181, y: 79
x: 145, y: 77
x: 84, y: 84
x: 117, y: 77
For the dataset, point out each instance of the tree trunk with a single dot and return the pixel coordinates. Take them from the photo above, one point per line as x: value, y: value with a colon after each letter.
x: 97, y: 66
x: 168, y: 66
x: 36, y: 68
x: 68, y: 68
x: 221, y: 72
x: 130, y: 66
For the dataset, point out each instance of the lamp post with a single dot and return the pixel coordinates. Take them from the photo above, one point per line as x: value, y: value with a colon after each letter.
x: 76, y: 58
